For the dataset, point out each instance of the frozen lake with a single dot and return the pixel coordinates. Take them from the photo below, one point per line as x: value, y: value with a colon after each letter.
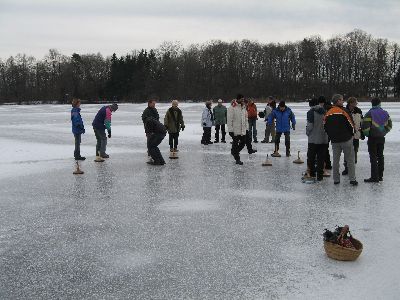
x: 198, y: 227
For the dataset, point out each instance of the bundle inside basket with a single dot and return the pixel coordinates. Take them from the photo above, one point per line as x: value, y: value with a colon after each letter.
x: 341, y: 245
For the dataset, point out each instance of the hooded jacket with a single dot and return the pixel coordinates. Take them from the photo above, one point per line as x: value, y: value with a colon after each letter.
x: 315, y: 126
x: 77, y: 122
x: 173, y: 120
x: 283, y: 119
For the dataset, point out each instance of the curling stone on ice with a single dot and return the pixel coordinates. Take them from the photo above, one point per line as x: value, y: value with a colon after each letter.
x: 99, y: 158
x: 173, y: 154
x: 276, y: 153
x: 298, y: 160
x: 267, y: 162
x: 78, y: 171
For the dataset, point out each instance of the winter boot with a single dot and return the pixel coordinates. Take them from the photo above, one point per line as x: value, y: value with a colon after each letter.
x: 371, y: 180
x: 223, y: 138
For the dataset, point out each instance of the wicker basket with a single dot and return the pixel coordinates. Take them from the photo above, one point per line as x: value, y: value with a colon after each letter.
x: 341, y: 253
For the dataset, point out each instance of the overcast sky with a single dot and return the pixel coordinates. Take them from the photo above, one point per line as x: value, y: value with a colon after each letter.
x: 90, y: 26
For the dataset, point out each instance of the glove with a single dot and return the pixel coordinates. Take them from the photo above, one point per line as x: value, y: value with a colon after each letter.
x: 204, y: 124
x: 109, y: 134
x: 183, y: 128
x: 83, y: 131
x: 293, y: 127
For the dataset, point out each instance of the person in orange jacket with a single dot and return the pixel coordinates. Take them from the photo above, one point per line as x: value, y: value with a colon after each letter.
x: 252, y: 115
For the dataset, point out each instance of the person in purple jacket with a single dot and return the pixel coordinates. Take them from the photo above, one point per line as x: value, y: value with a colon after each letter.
x: 101, y: 122
x: 77, y: 127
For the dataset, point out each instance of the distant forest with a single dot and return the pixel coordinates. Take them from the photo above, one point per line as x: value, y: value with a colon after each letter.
x: 355, y: 64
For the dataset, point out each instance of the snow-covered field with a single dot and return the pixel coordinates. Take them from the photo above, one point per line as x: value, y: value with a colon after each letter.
x: 198, y: 227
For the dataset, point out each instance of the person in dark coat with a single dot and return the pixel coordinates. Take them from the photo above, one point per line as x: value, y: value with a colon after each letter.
x: 156, y: 133
x: 173, y: 122
x: 339, y: 126
x: 375, y: 125
x: 77, y: 127
x: 150, y: 111
x: 317, y: 138
x: 328, y: 162
x: 101, y: 122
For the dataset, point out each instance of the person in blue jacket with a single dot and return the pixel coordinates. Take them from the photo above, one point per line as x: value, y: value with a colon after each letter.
x: 283, y: 116
x: 77, y: 127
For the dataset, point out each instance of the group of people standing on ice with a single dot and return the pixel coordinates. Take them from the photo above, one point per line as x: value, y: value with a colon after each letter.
x: 344, y: 127
x: 327, y: 122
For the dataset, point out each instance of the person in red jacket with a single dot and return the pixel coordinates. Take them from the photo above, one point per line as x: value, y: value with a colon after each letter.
x: 252, y: 115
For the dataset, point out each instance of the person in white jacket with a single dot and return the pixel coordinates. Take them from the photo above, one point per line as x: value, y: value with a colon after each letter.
x: 207, y: 123
x: 238, y: 124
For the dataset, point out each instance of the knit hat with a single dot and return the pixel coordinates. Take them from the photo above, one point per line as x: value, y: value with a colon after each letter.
x: 282, y: 104
x: 219, y: 100
x: 114, y: 106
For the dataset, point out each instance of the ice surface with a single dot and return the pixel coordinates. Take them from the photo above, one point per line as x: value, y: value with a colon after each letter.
x: 198, y: 227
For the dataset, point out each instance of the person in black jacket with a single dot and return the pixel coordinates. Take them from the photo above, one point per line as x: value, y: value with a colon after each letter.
x: 339, y: 126
x: 328, y: 163
x: 150, y: 112
x: 156, y: 132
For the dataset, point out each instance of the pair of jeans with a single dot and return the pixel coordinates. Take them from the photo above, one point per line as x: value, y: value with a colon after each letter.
x: 77, y: 152
x: 278, y: 140
x: 206, y: 138
x: 173, y: 140
x: 101, y: 144
x: 253, y: 128
x: 239, y: 141
x: 316, y: 152
x: 153, y: 141
x: 217, y: 127
x: 375, y: 150
x: 348, y: 150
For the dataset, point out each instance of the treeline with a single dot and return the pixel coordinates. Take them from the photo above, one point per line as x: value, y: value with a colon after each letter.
x: 354, y: 64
